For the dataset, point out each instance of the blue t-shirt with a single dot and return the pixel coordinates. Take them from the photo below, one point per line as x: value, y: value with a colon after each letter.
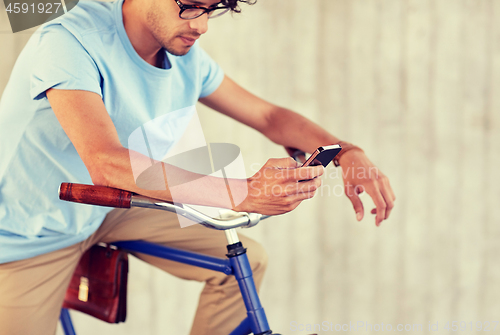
x: 85, y: 49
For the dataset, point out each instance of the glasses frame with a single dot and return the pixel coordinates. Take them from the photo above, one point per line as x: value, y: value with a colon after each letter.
x: 184, y: 7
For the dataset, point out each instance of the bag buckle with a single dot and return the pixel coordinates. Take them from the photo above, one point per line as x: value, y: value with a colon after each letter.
x: 83, y: 289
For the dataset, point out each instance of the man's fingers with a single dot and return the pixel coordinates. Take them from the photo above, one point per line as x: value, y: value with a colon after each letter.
x: 288, y: 168
x: 309, y: 185
x: 293, y: 188
x: 290, y: 163
x: 383, y: 197
x: 387, y: 185
x: 291, y: 201
x: 379, y: 201
x: 359, y: 189
x: 389, y: 195
x: 351, y: 193
x: 301, y: 196
x: 388, y: 201
x: 282, y: 163
x: 306, y: 173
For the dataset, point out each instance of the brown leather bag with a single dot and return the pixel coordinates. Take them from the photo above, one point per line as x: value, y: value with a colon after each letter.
x: 99, y: 284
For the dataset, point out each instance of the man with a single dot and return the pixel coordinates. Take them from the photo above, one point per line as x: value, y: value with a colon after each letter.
x: 81, y: 86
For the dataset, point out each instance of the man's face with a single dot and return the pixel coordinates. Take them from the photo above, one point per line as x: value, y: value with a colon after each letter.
x: 174, y: 34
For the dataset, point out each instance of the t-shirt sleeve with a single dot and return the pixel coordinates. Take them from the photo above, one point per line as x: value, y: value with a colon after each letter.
x: 63, y: 63
x: 211, y: 73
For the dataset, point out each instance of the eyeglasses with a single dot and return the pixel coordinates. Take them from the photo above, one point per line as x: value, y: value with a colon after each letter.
x: 189, y: 12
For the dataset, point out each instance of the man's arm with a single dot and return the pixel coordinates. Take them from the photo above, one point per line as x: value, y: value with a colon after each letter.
x: 290, y: 129
x: 280, y: 125
x: 84, y: 118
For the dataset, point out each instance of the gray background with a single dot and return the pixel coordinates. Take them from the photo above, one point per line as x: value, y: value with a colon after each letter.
x: 413, y: 82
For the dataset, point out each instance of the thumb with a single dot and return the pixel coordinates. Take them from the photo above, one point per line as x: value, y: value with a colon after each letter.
x: 282, y: 163
x: 351, y: 193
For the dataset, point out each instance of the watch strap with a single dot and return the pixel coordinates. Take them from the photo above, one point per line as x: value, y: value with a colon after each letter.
x: 346, y: 146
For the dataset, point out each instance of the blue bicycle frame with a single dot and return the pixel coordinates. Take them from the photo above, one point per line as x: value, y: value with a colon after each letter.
x: 236, y: 264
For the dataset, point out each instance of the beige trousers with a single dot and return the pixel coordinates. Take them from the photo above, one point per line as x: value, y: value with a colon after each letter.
x: 32, y: 290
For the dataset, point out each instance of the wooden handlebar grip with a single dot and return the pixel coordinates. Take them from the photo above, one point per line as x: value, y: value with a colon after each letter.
x: 95, y: 195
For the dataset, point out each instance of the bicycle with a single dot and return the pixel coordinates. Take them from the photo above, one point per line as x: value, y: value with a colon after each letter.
x: 236, y: 264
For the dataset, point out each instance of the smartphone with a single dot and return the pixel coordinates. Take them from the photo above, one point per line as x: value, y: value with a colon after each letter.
x: 323, y: 155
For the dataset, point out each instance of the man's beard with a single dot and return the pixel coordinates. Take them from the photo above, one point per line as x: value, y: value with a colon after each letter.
x: 167, y: 44
x: 171, y: 50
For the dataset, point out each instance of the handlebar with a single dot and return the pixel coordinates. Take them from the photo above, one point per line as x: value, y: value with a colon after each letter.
x: 95, y: 195
x: 112, y: 197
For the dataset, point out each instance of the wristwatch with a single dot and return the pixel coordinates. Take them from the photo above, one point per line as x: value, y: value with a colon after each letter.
x: 346, y: 146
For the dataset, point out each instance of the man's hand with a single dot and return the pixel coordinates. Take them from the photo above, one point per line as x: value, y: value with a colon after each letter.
x: 361, y: 175
x: 275, y: 188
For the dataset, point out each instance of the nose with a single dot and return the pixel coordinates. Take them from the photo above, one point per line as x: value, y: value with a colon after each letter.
x: 200, y: 24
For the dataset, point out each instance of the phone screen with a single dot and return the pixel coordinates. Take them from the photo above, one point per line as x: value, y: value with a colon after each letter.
x: 323, y: 155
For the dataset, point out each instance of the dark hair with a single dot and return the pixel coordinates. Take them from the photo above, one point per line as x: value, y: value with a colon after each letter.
x: 233, y: 4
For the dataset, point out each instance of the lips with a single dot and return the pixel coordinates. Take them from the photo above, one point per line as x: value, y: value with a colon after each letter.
x: 187, y: 40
